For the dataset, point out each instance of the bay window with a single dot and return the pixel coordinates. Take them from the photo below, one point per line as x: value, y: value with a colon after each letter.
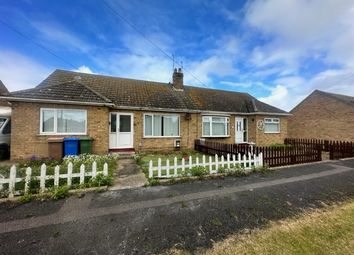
x: 160, y: 125
x: 63, y: 121
x: 215, y: 126
x: 272, y: 125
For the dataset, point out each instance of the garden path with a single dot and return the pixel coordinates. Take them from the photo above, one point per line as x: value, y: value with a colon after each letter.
x: 128, y: 175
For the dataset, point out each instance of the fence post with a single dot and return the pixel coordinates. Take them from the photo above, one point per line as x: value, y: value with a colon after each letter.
x: 82, y: 174
x: 159, y: 167
x: 228, y: 161
x: 43, y: 177
x: 183, y: 166
x: 175, y: 173
x: 210, y: 165
x: 69, y: 174
x: 216, y: 163
x: 12, y: 181
x: 222, y: 161
x: 94, y: 169
x: 167, y: 168
x: 105, y: 169
x: 151, y: 173
x: 56, y: 176
x: 28, y: 179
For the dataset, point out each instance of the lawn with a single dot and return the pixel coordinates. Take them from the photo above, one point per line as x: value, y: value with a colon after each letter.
x: 326, y: 231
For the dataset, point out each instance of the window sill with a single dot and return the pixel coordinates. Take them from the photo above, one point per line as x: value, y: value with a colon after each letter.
x: 61, y: 134
x: 158, y: 137
x: 216, y: 136
x: 272, y: 132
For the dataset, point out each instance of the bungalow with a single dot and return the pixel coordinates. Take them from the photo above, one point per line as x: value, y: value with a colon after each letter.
x: 134, y: 115
x: 323, y: 115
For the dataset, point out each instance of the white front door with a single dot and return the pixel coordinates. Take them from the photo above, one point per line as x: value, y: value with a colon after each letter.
x: 121, y: 130
x: 241, y: 130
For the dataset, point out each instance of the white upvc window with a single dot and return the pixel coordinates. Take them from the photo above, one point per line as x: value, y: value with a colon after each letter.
x: 272, y: 125
x: 161, y: 125
x: 63, y: 121
x: 215, y: 126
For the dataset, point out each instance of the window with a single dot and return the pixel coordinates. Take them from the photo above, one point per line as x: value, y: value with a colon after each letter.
x: 7, y: 128
x: 63, y: 121
x: 271, y: 125
x: 157, y: 125
x: 215, y: 126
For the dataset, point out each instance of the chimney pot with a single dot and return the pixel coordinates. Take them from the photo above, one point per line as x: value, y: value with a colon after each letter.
x: 177, y: 79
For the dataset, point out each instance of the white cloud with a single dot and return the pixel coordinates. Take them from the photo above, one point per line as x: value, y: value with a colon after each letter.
x: 59, y: 35
x: 289, y: 91
x: 83, y: 69
x: 20, y: 72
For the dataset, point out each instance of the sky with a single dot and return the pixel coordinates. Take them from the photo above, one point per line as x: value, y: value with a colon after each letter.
x: 277, y: 50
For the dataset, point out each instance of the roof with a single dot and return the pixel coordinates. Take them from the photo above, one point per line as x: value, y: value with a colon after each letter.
x: 342, y: 98
x: 3, y: 89
x: 123, y: 92
x: 349, y: 100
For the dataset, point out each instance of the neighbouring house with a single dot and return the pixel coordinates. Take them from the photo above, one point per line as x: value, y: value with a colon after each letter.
x: 323, y: 115
x: 125, y: 114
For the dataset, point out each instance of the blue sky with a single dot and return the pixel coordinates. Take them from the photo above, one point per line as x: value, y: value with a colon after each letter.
x: 277, y: 50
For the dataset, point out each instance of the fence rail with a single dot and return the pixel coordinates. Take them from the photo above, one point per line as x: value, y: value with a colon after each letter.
x: 336, y: 149
x: 212, y: 166
x: 272, y: 156
x: 43, y: 177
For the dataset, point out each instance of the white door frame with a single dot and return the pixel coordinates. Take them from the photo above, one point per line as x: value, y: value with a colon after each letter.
x: 242, y: 131
x: 115, y: 144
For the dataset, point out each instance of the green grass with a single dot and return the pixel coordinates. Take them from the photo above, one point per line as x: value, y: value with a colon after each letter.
x: 326, y: 231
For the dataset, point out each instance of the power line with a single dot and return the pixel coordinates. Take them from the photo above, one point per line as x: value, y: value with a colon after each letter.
x: 148, y: 40
x: 37, y: 44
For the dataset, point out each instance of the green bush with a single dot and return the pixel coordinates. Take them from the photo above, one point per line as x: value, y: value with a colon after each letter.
x: 153, y: 181
x: 101, y: 180
x: 198, y: 171
x: 26, y: 198
x: 59, y: 192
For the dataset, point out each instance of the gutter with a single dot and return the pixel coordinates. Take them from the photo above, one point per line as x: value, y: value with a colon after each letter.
x: 138, y: 108
x: 33, y: 100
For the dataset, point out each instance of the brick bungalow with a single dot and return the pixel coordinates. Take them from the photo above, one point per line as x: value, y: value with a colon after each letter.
x: 323, y: 115
x: 127, y: 114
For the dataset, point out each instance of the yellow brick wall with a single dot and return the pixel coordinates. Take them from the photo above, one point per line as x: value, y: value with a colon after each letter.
x: 26, y: 140
x: 265, y: 139
x: 322, y: 117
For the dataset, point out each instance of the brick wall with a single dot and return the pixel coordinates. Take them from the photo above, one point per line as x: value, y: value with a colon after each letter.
x: 26, y: 140
x: 265, y: 139
x: 322, y: 117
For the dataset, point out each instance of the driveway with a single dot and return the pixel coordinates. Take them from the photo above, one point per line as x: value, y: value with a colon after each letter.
x: 155, y: 219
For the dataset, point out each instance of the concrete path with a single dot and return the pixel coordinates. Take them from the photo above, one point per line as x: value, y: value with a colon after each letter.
x: 187, y: 215
x: 128, y: 175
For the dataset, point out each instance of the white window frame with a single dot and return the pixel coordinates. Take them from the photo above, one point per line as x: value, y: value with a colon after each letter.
x: 210, y: 117
x: 56, y: 121
x: 271, y: 121
x: 152, y: 121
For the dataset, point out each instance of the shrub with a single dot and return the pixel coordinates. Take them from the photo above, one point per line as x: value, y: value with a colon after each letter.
x: 198, y: 171
x: 59, y: 192
x: 101, y: 180
x: 138, y: 159
x: 154, y: 181
x: 26, y: 198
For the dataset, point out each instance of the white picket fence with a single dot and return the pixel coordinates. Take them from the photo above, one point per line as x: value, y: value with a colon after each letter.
x: 13, y: 179
x: 176, y: 170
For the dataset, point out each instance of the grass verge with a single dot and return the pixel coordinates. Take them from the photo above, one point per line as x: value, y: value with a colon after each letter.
x: 325, y: 231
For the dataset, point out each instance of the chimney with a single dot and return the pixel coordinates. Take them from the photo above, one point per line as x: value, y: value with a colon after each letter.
x: 177, y: 79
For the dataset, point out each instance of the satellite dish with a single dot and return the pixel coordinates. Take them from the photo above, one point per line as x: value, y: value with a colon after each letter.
x: 260, y: 124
